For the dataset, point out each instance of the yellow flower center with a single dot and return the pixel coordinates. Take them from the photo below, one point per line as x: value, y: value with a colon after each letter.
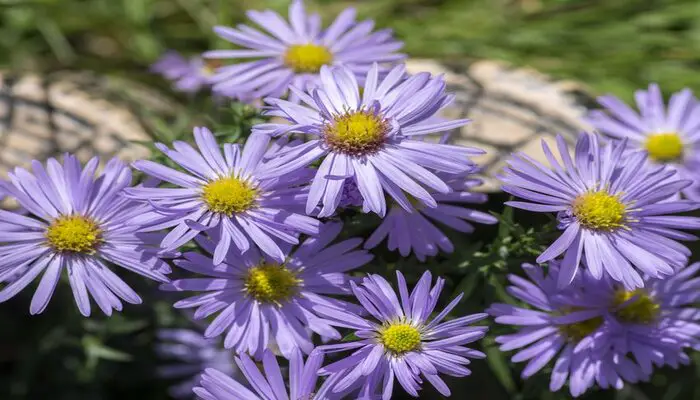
x: 664, y: 147
x: 579, y: 330
x: 271, y: 283
x: 210, y: 67
x: 599, y: 210
x: 400, y: 338
x: 75, y: 234
x: 229, y: 195
x: 356, y: 133
x: 641, y: 310
x: 307, y: 58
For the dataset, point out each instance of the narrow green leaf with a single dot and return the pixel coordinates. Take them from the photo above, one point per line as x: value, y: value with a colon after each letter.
x: 499, y: 366
x: 499, y: 291
x: 95, y: 350
x: 350, y: 338
x: 505, y: 222
x: 468, y: 284
x: 59, y: 44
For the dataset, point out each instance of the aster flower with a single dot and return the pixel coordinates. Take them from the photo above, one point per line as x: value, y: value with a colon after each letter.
x: 187, y: 75
x: 653, y: 324
x: 560, y: 327
x: 232, y: 195
x: 77, y: 222
x: 615, y: 211
x: 292, y: 54
x: 267, y: 384
x: 598, y: 332
x: 258, y: 298
x: 415, y: 231
x: 190, y: 354
x: 404, y: 343
x: 670, y: 136
x: 373, y: 139
x: 4, y: 226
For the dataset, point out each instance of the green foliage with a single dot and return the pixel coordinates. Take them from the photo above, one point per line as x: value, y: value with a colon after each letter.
x: 614, y: 46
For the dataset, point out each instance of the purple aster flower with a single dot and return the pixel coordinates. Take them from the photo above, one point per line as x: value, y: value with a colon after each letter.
x: 373, y: 139
x: 258, y: 298
x: 188, y: 76
x: 415, y: 230
x: 295, y: 52
x: 78, y: 222
x: 669, y: 136
x: 653, y: 324
x: 560, y: 327
x: 5, y: 226
x: 191, y: 353
x: 404, y: 343
x: 266, y: 384
x: 615, y: 211
x: 597, y: 331
x: 233, y: 195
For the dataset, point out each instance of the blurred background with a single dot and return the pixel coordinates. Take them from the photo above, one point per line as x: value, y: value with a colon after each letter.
x: 610, y: 45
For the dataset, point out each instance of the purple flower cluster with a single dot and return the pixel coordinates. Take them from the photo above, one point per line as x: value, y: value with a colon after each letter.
x: 598, y: 331
x: 278, y: 293
x: 259, y: 231
x: 618, y: 298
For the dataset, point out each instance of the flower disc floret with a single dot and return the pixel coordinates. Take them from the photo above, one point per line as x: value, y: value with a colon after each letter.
x: 229, y: 195
x: 307, y: 58
x: 599, y: 210
x: 400, y: 338
x: 209, y: 67
x: 640, y: 308
x: 74, y: 233
x: 356, y: 133
x: 271, y: 283
x: 577, y: 331
x: 664, y: 147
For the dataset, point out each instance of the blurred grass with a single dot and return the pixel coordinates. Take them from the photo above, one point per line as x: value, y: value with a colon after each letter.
x: 612, y: 45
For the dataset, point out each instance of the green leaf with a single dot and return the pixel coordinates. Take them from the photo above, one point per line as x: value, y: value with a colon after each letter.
x: 468, y: 284
x: 499, y: 367
x: 95, y: 351
x: 505, y: 222
x: 56, y: 40
x: 350, y: 338
x: 499, y: 291
x: 136, y: 11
